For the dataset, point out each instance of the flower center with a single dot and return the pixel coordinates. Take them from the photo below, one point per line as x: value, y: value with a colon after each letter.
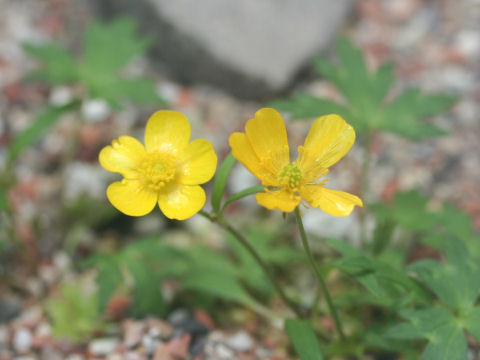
x: 290, y: 176
x: 157, y: 170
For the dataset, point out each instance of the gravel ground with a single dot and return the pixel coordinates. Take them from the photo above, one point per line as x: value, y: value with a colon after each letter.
x: 435, y: 45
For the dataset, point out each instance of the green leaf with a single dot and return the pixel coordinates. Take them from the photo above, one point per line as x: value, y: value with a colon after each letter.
x: 108, y: 279
x: 218, y: 284
x: 268, y: 245
x: 116, y: 90
x: 59, y: 66
x: 306, y: 106
x: 109, y: 47
x: 380, y: 278
x: 74, y: 313
x: 148, y: 295
x: 456, y: 283
x: 444, y: 333
x: 220, y: 181
x: 471, y: 322
x: 409, y: 210
x: 304, y: 339
x: 364, y: 93
x: 242, y: 194
x: 447, y: 343
x: 138, y: 90
x: 422, y: 323
x: 202, y: 258
x: 39, y: 127
x: 343, y: 247
x: 383, y: 80
x: 402, y: 115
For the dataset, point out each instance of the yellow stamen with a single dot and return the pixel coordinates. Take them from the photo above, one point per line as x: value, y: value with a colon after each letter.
x: 157, y: 169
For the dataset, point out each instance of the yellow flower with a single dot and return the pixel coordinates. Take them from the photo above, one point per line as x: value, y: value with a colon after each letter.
x: 263, y: 149
x: 167, y: 171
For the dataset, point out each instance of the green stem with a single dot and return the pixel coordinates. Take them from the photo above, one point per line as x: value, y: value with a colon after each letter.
x: 316, y: 300
x: 365, y: 187
x: 320, y: 279
x: 243, y: 241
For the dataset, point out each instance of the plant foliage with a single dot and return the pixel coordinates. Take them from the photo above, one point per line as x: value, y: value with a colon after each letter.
x: 366, y: 105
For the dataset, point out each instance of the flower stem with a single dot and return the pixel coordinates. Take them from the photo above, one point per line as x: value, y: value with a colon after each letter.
x: 320, y: 279
x: 219, y: 220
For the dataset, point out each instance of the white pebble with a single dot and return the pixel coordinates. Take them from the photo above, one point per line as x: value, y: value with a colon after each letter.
x: 241, y: 341
x: 60, y: 95
x: 103, y: 346
x: 95, y: 110
x: 22, y: 340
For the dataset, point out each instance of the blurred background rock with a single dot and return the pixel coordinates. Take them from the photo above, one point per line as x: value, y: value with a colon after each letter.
x: 253, y: 49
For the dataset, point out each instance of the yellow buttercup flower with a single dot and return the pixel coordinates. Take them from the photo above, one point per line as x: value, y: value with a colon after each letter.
x: 263, y: 149
x: 167, y: 170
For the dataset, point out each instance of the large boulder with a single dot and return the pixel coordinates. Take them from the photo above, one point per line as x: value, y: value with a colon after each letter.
x: 252, y: 48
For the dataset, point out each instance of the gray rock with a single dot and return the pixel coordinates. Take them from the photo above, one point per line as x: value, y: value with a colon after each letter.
x: 252, y: 48
x: 8, y: 310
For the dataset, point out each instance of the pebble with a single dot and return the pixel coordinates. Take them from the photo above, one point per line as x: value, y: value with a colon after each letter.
x: 30, y: 317
x: 5, y: 354
x: 102, y: 347
x: 149, y: 344
x: 179, y: 346
x: 219, y: 351
x: 75, y: 357
x: 241, y: 341
x: 162, y: 353
x: 114, y: 357
x: 49, y: 353
x: 60, y: 95
x: 22, y: 340
x: 95, y: 110
x: 42, y: 334
x: 160, y: 329
x: 133, y: 332
x: 468, y: 43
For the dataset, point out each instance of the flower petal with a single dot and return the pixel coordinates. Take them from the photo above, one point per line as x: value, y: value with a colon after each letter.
x: 199, y: 162
x: 122, y: 156
x: 167, y: 131
x: 328, y: 140
x: 129, y: 197
x: 182, y: 201
x: 267, y: 134
x: 278, y: 200
x: 243, y: 151
x: 333, y: 202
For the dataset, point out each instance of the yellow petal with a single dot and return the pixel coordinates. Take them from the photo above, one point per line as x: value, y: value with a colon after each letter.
x: 333, y: 202
x: 267, y: 134
x: 122, y: 156
x: 167, y: 131
x: 182, y: 201
x: 199, y: 162
x: 129, y: 197
x: 329, y: 139
x: 243, y: 151
x: 278, y: 200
